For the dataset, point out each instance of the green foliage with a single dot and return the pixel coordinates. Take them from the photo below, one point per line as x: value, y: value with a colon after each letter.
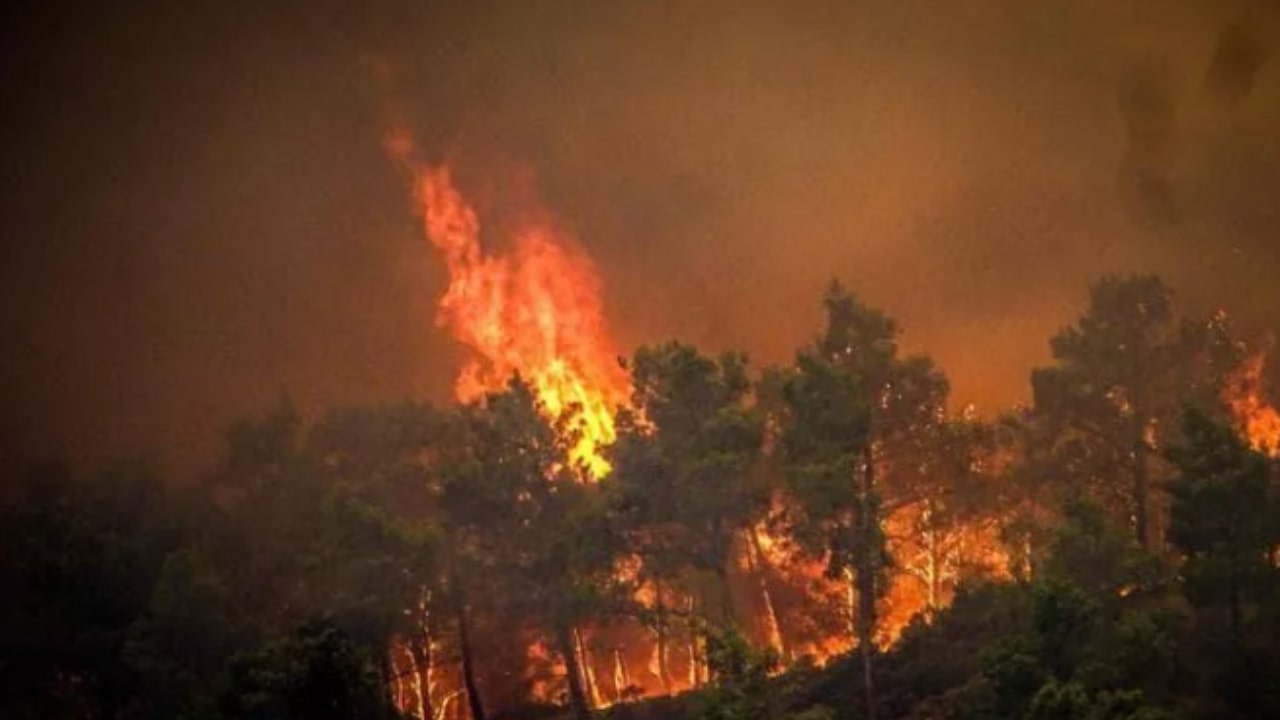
x: 1071, y: 701
x: 1063, y: 622
x: 1226, y: 522
x: 827, y: 439
x: 746, y: 688
x: 315, y: 673
x: 1113, y: 396
x: 1059, y: 701
x: 1225, y: 517
x: 274, y: 588
x: 1014, y: 673
x: 742, y: 689
x: 78, y: 560
x: 686, y: 478
x: 366, y: 567
x: 184, y: 639
x: 1092, y: 552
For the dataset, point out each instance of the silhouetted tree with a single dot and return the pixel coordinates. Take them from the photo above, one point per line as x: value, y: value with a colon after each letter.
x: 685, y: 465
x: 1112, y: 398
x: 856, y: 414
x: 1225, y: 519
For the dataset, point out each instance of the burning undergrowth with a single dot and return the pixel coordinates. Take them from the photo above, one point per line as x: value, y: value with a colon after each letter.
x: 528, y: 304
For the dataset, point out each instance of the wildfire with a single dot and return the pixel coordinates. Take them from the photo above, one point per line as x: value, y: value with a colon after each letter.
x: 528, y: 303
x: 532, y: 309
x: 1258, y: 419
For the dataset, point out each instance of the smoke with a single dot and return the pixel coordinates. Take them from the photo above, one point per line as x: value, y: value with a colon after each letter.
x: 202, y: 219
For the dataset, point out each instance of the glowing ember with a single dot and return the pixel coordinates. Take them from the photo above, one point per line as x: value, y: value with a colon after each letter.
x: 1257, y: 418
x: 533, y: 310
x: 528, y: 303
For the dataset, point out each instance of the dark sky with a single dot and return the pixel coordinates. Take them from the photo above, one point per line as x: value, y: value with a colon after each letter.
x: 199, y: 219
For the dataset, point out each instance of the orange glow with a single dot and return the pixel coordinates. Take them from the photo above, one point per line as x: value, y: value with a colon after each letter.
x: 528, y: 302
x: 1257, y: 418
x: 931, y: 563
x: 532, y: 308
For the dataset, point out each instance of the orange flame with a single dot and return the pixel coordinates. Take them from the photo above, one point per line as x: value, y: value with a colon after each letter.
x: 1258, y: 419
x: 533, y: 310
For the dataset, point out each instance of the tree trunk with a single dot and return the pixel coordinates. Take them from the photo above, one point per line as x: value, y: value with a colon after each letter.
x: 468, y: 662
x: 1140, y: 498
x: 933, y: 569
x: 866, y: 577
x: 423, y: 658
x: 866, y: 622
x: 621, y: 676
x: 721, y: 561
x: 420, y: 651
x: 760, y: 565
x: 725, y: 593
x: 661, y: 648
x: 1027, y: 558
x: 588, y: 669
x: 695, y: 634
x: 573, y: 671
x: 387, y: 669
x: 1143, y: 438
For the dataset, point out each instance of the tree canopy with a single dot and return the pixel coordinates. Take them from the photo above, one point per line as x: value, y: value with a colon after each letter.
x: 823, y: 539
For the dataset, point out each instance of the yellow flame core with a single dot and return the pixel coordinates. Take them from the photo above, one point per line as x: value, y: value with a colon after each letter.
x: 533, y: 310
x: 1259, y: 421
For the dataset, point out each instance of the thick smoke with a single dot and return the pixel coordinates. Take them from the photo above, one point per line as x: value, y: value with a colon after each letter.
x: 201, y: 220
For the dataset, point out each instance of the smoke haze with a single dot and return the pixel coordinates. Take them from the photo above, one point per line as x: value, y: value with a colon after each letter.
x: 200, y: 219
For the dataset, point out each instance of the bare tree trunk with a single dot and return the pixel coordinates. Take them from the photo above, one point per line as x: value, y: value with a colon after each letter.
x: 725, y: 593
x: 1140, y: 499
x: 722, y: 560
x: 573, y: 670
x: 704, y: 663
x: 662, y: 644
x: 933, y: 568
x: 695, y: 635
x: 851, y: 600
x: 413, y: 703
x: 866, y: 621
x: 457, y: 704
x: 423, y: 658
x: 387, y: 669
x: 865, y: 576
x: 468, y: 662
x: 1143, y: 438
x: 621, y: 677
x: 588, y: 669
x: 759, y: 565
x: 393, y: 683
x: 420, y: 651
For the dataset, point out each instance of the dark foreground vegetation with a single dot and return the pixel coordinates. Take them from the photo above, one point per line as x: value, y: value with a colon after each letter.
x: 1136, y: 520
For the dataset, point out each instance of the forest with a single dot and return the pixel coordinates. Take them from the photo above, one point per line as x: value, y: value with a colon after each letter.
x: 825, y: 539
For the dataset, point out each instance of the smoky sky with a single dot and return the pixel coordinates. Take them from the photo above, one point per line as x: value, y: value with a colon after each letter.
x: 199, y: 219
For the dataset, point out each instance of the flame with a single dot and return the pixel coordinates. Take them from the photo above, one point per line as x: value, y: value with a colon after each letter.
x: 533, y: 309
x: 530, y: 304
x: 1258, y: 419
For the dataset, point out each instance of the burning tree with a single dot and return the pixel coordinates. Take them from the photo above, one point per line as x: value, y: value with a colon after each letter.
x: 1114, y: 396
x: 1225, y: 518
x: 897, y: 499
x: 525, y: 531
x: 855, y: 414
x: 526, y: 304
x: 687, y: 485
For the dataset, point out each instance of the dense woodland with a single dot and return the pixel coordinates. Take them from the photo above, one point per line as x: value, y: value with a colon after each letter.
x: 821, y: 540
